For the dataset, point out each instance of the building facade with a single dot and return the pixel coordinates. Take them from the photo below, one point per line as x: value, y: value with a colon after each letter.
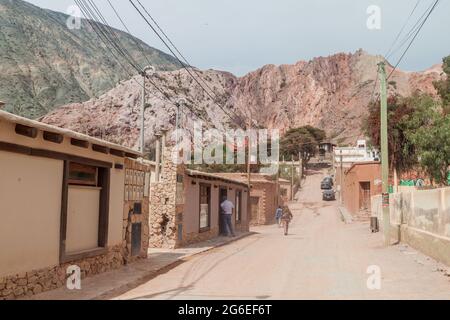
x: 64, y: 202
x: 350, y: 155
x: 265, y: 196
x: 361, y: 182
x: 185, y: 205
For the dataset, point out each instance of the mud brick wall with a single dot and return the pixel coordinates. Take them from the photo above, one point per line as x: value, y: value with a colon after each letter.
x: 266, y: 192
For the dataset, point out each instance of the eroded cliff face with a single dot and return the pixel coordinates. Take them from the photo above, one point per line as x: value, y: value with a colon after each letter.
x: 331, y: 93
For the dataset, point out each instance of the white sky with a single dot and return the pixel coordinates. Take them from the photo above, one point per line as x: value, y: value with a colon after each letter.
x: 242, y: 35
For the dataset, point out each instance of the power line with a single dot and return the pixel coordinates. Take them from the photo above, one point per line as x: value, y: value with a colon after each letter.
x: 415, y: 36
x: 165, y: 94
x: 176, y: 49
x: 181, y: 62
x: 128, y: 30
x: 136, y: 42
x: 111, y: 35
x: 403, y: 28
x: 410, y: 33
x: 102, y: 38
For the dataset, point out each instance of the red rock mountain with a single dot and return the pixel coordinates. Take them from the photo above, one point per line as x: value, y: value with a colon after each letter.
x: 331, y: 93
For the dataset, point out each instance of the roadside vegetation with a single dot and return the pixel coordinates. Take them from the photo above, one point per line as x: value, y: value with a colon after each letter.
x: 418, y: 129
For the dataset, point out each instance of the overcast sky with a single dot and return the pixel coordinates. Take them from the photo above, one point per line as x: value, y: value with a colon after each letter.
x: 242, y: 35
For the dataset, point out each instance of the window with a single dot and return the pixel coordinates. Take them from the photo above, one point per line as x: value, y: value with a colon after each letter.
x: 80, y: 174
x: 238, y: 206
x: 205, y: 207
x: 84, y: 209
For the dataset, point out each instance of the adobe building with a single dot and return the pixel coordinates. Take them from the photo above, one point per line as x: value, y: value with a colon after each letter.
x: 185, y: 205
x: 361, y: 182
x: 265, y: 196
x: 66, y: 199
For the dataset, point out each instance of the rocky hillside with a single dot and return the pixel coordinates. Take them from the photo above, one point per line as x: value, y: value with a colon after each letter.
x: 44, y: 64
x: 331, y: 93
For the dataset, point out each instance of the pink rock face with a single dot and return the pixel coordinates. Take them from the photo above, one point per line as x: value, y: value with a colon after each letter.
x: 331, y: 93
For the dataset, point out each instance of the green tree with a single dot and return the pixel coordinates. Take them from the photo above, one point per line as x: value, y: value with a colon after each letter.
x: 443, y: 86
x: 429, y: 131
x: 303, y: 140
x: 401, y: 149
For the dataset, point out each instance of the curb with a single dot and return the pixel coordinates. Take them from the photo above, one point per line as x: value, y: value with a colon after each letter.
x: 154, y: 273
x: 345, y: 216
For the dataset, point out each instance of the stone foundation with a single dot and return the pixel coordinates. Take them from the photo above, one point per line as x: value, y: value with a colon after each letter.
x: 37, y: 281
x: 195, y: 237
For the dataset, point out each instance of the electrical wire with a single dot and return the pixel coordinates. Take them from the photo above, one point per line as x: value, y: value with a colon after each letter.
x: 403, y: 28
x: 414, y: 38
x: 183, y: 65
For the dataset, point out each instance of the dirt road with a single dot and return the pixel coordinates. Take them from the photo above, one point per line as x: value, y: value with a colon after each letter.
x: 322, y: 258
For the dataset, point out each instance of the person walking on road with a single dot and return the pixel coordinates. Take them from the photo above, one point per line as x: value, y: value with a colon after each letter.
x: 227, y: 210
x: 286, y: 218
x: 278, y: 215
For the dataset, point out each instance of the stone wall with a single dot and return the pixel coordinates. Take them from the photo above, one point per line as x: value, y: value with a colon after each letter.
x: 37, y: 281
x: 267, y: 203
x: 130, y: 217
x: 195, y: 237
x: 165, y: 213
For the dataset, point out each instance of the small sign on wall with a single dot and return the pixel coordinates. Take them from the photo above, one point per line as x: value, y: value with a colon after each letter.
x: 385, y: 200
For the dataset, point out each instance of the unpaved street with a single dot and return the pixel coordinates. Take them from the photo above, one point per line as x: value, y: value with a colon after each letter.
x: 322, y: 258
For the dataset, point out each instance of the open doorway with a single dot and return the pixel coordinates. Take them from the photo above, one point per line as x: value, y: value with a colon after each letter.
x: 254, y: 201
x: 223, y: 193
x: 364, y: 196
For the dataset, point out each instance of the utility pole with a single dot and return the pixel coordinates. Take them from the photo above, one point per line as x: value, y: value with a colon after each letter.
x: 384, y: 154
x: 179, y: 104
x: 158, y: 156
x: 278, y: 182
x: 144, y: 74
x: 341, y: 199
x: 300, y: 168
x: 249, y: 158
x: 292, y: 179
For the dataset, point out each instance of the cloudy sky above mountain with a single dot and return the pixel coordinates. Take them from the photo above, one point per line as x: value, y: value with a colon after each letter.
x: 240, y: 36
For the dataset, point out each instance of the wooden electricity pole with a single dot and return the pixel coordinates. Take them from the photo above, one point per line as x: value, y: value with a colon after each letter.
x: 292, y: 179
x: 384, y: 154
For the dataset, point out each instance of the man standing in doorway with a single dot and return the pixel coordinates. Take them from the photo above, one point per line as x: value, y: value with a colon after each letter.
x: 227, y: 208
